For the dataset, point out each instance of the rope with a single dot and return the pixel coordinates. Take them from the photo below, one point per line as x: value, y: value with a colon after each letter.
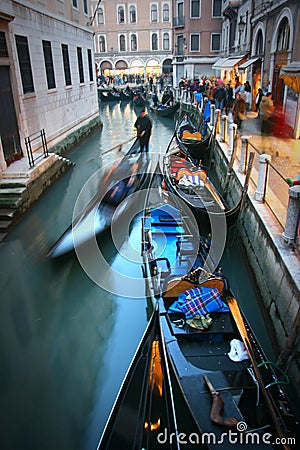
x: 251, y: 372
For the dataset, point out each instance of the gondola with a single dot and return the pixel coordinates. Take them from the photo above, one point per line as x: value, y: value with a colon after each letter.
x: 229, y: 386
x: 126, y: 95
x: 165, y: 110
x: 144, y: 405
x: 115, y: 187
x: 139, y: 99
x: 108, y: 95
x: 194, y: 139
x: 192, y: 184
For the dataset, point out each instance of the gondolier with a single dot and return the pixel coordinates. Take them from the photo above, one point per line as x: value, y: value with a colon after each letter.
x: 143, y: 125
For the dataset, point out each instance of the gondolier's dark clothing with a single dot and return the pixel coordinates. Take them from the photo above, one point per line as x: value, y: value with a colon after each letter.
x: 143, y: 125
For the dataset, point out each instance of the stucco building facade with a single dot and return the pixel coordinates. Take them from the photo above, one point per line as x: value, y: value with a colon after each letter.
x: 47, y: 72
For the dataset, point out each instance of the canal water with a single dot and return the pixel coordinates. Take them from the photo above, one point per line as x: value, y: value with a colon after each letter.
x: 66, y: 342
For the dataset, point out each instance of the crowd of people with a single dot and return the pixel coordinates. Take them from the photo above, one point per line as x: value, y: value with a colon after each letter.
x: 235, y: 100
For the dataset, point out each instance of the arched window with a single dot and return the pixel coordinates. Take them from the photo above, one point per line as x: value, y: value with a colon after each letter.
x: 122, y: 43
x: 100, y: 16
x: 154, y: 42
x: 259, y: 43
x: 283, y: 36
x: 102, y: 44
x: 132, y: 14
x: 133, y: 43
x: 121, y: 15
x: 166, y: 41
x: 153, y: 13
x: 166, y: 13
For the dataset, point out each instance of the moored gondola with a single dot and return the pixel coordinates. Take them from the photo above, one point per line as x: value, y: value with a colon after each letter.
x: 144, y: 406
x: 193, y: 185
x: 230, y: 387
x: 165, y: 110
x: 114, y: 187
x: 194, y: 139
x: 126, y: 95
x: 108, y: 95
x: 139, y: 99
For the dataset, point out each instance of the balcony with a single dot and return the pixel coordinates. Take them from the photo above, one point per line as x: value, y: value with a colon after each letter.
x: 230, y: 8
x: 178, y: 22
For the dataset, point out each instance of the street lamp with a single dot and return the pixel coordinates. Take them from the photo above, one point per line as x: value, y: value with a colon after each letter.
x: 241, y: 28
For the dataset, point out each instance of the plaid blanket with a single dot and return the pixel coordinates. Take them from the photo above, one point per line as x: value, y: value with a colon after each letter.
x: 201, y: 301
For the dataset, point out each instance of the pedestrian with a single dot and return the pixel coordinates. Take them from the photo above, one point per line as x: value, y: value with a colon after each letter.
x: 266, y: 113
x: 219, y: 96
x: 228, y: 98
x: 143, y: 125
x: 258, y: 100
x: 239, y: 110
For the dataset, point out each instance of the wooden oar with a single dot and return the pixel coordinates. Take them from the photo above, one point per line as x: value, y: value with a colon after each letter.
x: 119, y: 146
x: 237, y: 315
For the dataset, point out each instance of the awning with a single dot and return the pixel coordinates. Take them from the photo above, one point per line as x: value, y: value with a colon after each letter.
x: 227, y: 63
x: 248, y: 63
x: 217, y: 64
x: 291, y: 76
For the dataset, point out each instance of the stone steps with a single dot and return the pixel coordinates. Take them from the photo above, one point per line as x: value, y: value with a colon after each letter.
x: 16, y: 198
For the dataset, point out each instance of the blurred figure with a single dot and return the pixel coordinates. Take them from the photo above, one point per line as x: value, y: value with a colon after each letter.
x: 258, y: 100
x: 239, y: 110
x: 228, y: 98
x: 219, y: 96
x: 266, y: 113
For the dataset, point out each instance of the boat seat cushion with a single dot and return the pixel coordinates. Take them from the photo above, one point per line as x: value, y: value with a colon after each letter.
x: 201, y: 300
x: 191, y: 180
x: 187, y: 135
x: 197, y: 178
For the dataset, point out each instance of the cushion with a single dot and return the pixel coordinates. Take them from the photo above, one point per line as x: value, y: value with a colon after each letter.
x: 199, y: 301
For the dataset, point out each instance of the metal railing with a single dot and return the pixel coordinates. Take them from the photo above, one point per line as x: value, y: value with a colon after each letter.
x: 275, y: 190
x: 38, y: 140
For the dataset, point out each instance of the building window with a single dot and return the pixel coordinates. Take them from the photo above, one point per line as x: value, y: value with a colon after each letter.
x: 122, y: 43
x: 215, y: 42
x: 24, y: 64
x: 66, y: 62
x: 132, y: 14
x: 180, y: 9
x: 90, y: 62
x: 3, y: 46
x: 166, y: 13
x: 195, y: 42
x: 195, y: 9
x: 217, y: 8
x: 153, y: 13
x: 121, y: 15
x: 133, y: 43
x: 102, y: 47
x: 85, y: 6
x: 166, y: 41
x: 100, y: 16
x: 80, y: 65
x: 49, y: 64
x: 75, y: 3
x: 259, y: 44
x: 283, y: 37
x: 154, y: 42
